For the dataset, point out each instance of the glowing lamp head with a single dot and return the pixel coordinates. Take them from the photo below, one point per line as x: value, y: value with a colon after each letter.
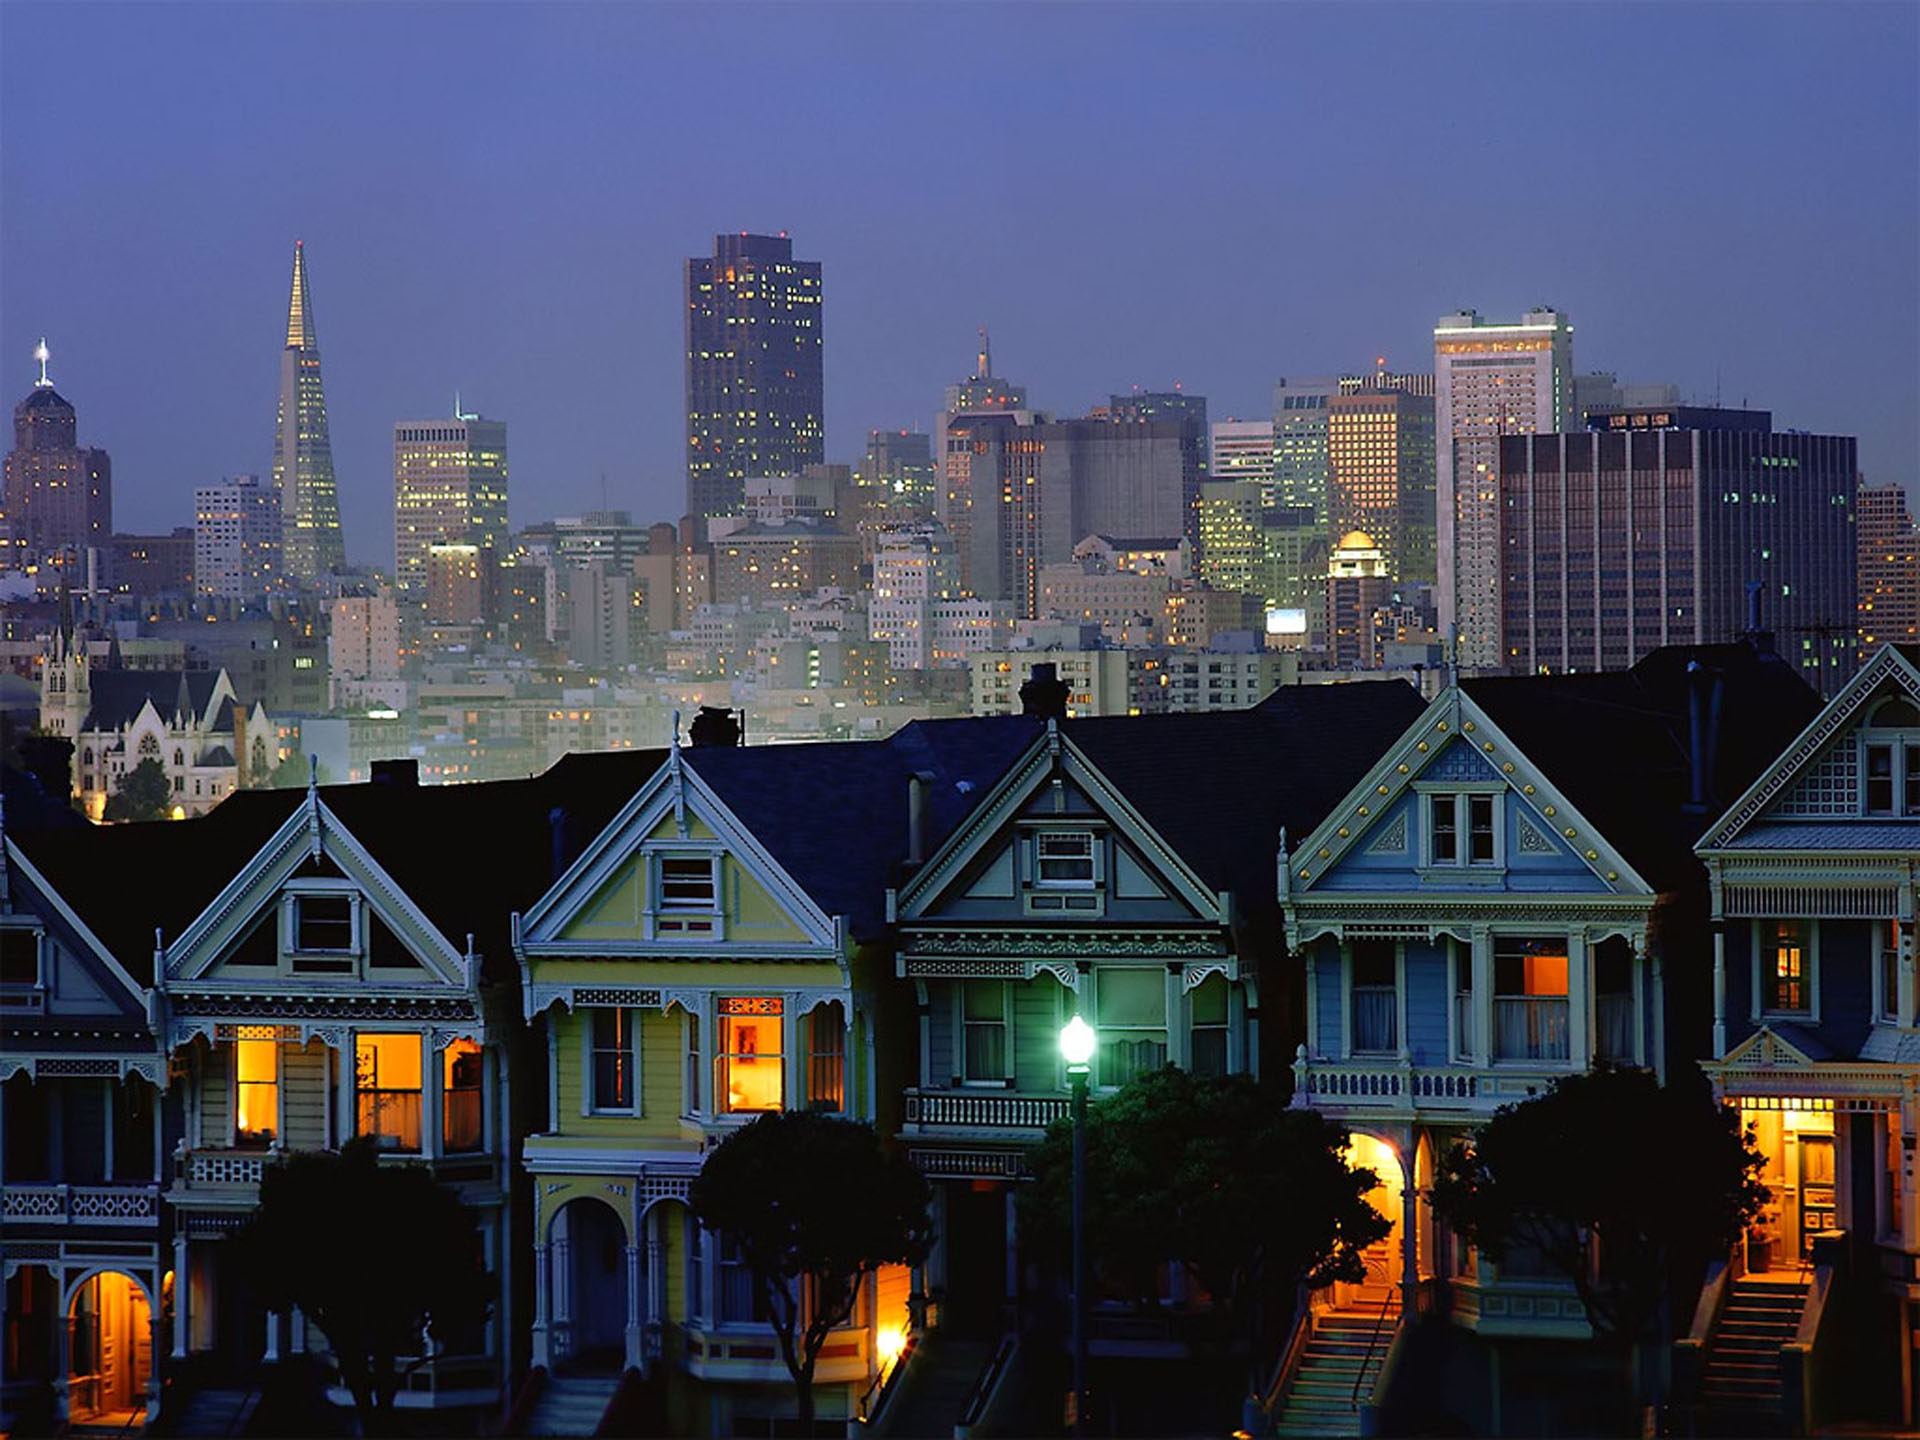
x: 890, y: 1342
x: 1076, y: 1043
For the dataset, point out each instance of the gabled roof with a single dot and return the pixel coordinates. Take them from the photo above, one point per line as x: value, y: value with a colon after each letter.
x: 118, y: 695
x: 1899, y: 664
x: 1618, y: 744
x: 1219, y: 788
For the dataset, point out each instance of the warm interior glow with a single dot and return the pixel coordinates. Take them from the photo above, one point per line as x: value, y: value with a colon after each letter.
x: 257, y: 1091
x: 752, y: 1065
x: 890, y: 1342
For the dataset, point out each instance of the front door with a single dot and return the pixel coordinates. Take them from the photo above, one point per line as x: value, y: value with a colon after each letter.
x: 1817, y: 1208
x: 976, y: 1257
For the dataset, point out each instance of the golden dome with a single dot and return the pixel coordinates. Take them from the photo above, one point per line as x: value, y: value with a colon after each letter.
x: 1356, y: 540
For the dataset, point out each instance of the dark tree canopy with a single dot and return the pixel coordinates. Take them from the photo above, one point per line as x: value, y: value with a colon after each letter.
x: 815, y: 1204
x: 142, y: 794
x: 1651, y: 1175
x: 374, y: 1254
x: 1214, y: 1173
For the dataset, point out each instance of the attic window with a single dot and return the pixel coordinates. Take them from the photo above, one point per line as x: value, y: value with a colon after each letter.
x: 1064, y: 857
x: 323, y: 938
x: 20, y: 968
x: 686, y: 890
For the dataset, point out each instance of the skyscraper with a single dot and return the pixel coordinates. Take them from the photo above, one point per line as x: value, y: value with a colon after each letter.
x: 302, y: 453
x: 755, y: 393
x: 1889, y: 570
x: 238, y: 551
x: 58, y: 496
x: 1674, y: 527
x: 1242, y: 450
x: 1490, y: 379
x: 1300, y: 443
x: 449, y: 488
x: 1380, y: 475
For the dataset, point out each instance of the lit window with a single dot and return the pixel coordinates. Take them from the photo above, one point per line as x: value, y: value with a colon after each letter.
x: 463, y: 1121
x: 1530, y: 999
x: 386, y: 1082
x: 826, y: 1034
x: 750, y: 1073
x: 1785, y: 965
x: 256, y: 1068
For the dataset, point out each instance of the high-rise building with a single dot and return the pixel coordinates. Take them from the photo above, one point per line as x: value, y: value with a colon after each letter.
x: 302, y: 451
x: 1889, y: 570
x: 1380, y: 475
x: 449, y: 488
x: 914, y: 569
x: 1602, y: 390
x: 900, y: 462
x: 154, y: 565
x: 1357, y: 585
x: 1300, y: 443
x: 1242, y: 450
x: 983, y: 394
x: 755, y: 396
x: 1631, y: 535
x: 238, y: 549
x: 58, y: 495
x: 1491, y: 378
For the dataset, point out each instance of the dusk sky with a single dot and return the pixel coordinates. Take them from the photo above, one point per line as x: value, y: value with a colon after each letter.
x: 496, y: 198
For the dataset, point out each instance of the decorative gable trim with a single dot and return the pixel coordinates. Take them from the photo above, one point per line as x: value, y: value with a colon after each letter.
x: 676, y: 789
x: 1764, y: 1048
x: 307, y: 834
x: 16, y: 860
x: 1054, y: 754
x: 1800, y: 757
x: 1434, y: 750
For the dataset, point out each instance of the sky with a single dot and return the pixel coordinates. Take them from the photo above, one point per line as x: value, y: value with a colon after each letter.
x: 496, y: 199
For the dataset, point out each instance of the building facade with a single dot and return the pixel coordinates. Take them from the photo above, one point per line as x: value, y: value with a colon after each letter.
x: 1889, y: 569
x: 755, y: 397
x: 303, y: 447
x: 1491, y: 378
x: 238, y: 534
x: 449, y: 488
x: 57, y: 497
x: 1380, y: 475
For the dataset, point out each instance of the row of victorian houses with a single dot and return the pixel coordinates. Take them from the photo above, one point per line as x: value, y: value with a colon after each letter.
x: 561, y: 992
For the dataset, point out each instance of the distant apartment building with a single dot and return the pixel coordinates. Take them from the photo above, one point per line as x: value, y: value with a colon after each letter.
x: 755, y: 395
x: 363, y: 650
x: 460, y: 584
x: 449, y: 488
x: 1677, y: 526
x: 1241, y: 451
x: 154, y: 565
x: 606, y: 611
x: 237, y: 531
x: 57, y: 496
x: 1194, y: 616
x: 1099, y: 681
x: 772, y: 565
x: 1206, y: 680
x: 1491, y: 379
x: 1380, y: 474
x: 914, y: 569
x: 1889, y: 570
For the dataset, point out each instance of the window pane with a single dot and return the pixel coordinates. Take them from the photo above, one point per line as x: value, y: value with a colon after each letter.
x: 826, y: 1057
x: 257, y: 1088
x: 1374, y: 1019
x: 1786, y: 977
x: 612, y: 1058
x: 1132, y: 997
x: 387, y: 1076
x: 323, y: 922
x: 1209, y: 1001
x: 686, y: 882
x: 1445, y: 846
x: 1480, y: 813
x: 20, y: 956
x: 751, y: 1070
x: 460, y: 1087
x: 1880, y: 779
x: 1066, y: 856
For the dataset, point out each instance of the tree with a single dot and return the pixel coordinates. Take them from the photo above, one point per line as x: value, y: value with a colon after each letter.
x: 142, y: 794
x: 374, y: 1254
x: 815, y: 1204
x: 1613, y: 1180
x: 1218, y: 1175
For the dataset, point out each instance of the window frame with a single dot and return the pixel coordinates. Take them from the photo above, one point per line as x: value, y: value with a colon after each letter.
x: 1566, y: 954
x: 1224, y: 1027
x: 1886, y: 972
x: 1902, y: 749
x: 960, y: 1024
x: 723, y: 1056
x: 31, y: 995
x: 682, y: 922
x: 239, y: 1138
x: 817, y: 1016
x: 590, y: 1052
x: 1765, y: 937
x: 448, y: 1058
x: 1350, y: 975
x: 332, y: 962
x: 1462, y: 797
x: 1069, y: 898
x: 1100, y: 974
x: 420, y: 1146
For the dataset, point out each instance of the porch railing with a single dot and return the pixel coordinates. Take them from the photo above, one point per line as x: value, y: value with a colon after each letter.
x: 131, y: 1204
x: 984, y: 1111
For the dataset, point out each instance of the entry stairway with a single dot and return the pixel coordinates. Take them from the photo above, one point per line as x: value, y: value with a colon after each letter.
x: 571, y: 1405
x: 936, y: 1388
x: 1740, y: 1384
x: 1340, y: 1366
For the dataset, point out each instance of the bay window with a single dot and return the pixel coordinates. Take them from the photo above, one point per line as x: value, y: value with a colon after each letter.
x: 1530, y: 998
x: 1131, y: 1016
x: 462, y: 1112
x: 1376, y: 996
x: 256, y: 1087
x: 826, y: 1049
x: 1613, y: 1010
x: 749, y: 1069
x: 387, y: 1087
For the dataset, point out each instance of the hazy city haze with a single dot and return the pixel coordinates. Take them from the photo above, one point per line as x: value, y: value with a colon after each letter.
x: 497, y: 199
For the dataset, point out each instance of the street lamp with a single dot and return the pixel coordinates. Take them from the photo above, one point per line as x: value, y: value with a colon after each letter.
x: 1077, y: 1042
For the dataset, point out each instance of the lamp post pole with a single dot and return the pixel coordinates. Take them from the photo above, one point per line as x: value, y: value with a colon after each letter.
x: 1077, y: 1042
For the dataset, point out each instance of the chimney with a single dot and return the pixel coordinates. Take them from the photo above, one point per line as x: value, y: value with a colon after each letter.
x: 917, y: 816
x: 558, y: 857
x: 396, y: 774
x: 1044, y: 696
x: 1704, y: 689
x: 715, y: 726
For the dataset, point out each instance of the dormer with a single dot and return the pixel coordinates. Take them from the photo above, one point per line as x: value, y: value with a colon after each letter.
x: 1888, y: 757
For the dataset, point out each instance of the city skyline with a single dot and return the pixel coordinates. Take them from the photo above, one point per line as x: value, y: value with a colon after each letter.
x: 1752, y: 243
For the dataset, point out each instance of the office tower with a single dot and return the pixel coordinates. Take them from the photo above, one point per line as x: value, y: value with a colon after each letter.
x: 1602, y: 390
x: 1241, y: 450
x: 900, y: 462
x: 1230, y: 549
x: 460, y: 584
x: 1491, y: 378
x: 1358, y: 584
x: 302, y: 453
x: 1631, y: 535
x: 771, y: 566
x: 1175, y: 414
x: 1300, y: 443
x: 914, y: 569
x: 154, y: 565
x: 1889, y: 570
x: 983, y: 393
x: 238, y: 539
x: 58, y: 494
x: 1385, y: 379
x: 1380, y: 475
x: 449, y: 488
x: 754, y: 378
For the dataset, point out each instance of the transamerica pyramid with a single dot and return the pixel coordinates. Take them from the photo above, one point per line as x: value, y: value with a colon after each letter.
x: 302, y: 454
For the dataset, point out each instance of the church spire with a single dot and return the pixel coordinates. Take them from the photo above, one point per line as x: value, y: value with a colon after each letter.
x: 300, y: 334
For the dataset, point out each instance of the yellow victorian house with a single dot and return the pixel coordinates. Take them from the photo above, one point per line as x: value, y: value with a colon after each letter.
x: 717, y: 952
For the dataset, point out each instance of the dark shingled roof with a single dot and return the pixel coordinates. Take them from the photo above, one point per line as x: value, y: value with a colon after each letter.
x: 1220, y: 787
x: 117, y: 695
x: 1618, y: 744
x: 835, y: 815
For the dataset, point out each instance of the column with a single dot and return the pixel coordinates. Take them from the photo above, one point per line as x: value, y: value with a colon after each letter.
x: 156, y: 1347
x: 182, y: 1289
x: 541, y: 1355
x: 62, y: 1349
x: 1579, y: 998
x: 1409, y: 1227
x: 1481, y: 943
x: 1719, y: 989
x: 272, y: 1354
x: 1013, y: 1254
x: 633, y: 1307
x: 297, y: 1340
x: 657, y: 1303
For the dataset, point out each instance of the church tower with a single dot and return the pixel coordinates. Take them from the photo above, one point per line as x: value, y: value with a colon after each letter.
x: 302, y: 453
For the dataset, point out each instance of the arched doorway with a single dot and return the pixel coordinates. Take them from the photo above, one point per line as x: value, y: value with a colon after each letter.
x: 109, y: 1350
x: 1383, y: 1257
x: 590, y: 1306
